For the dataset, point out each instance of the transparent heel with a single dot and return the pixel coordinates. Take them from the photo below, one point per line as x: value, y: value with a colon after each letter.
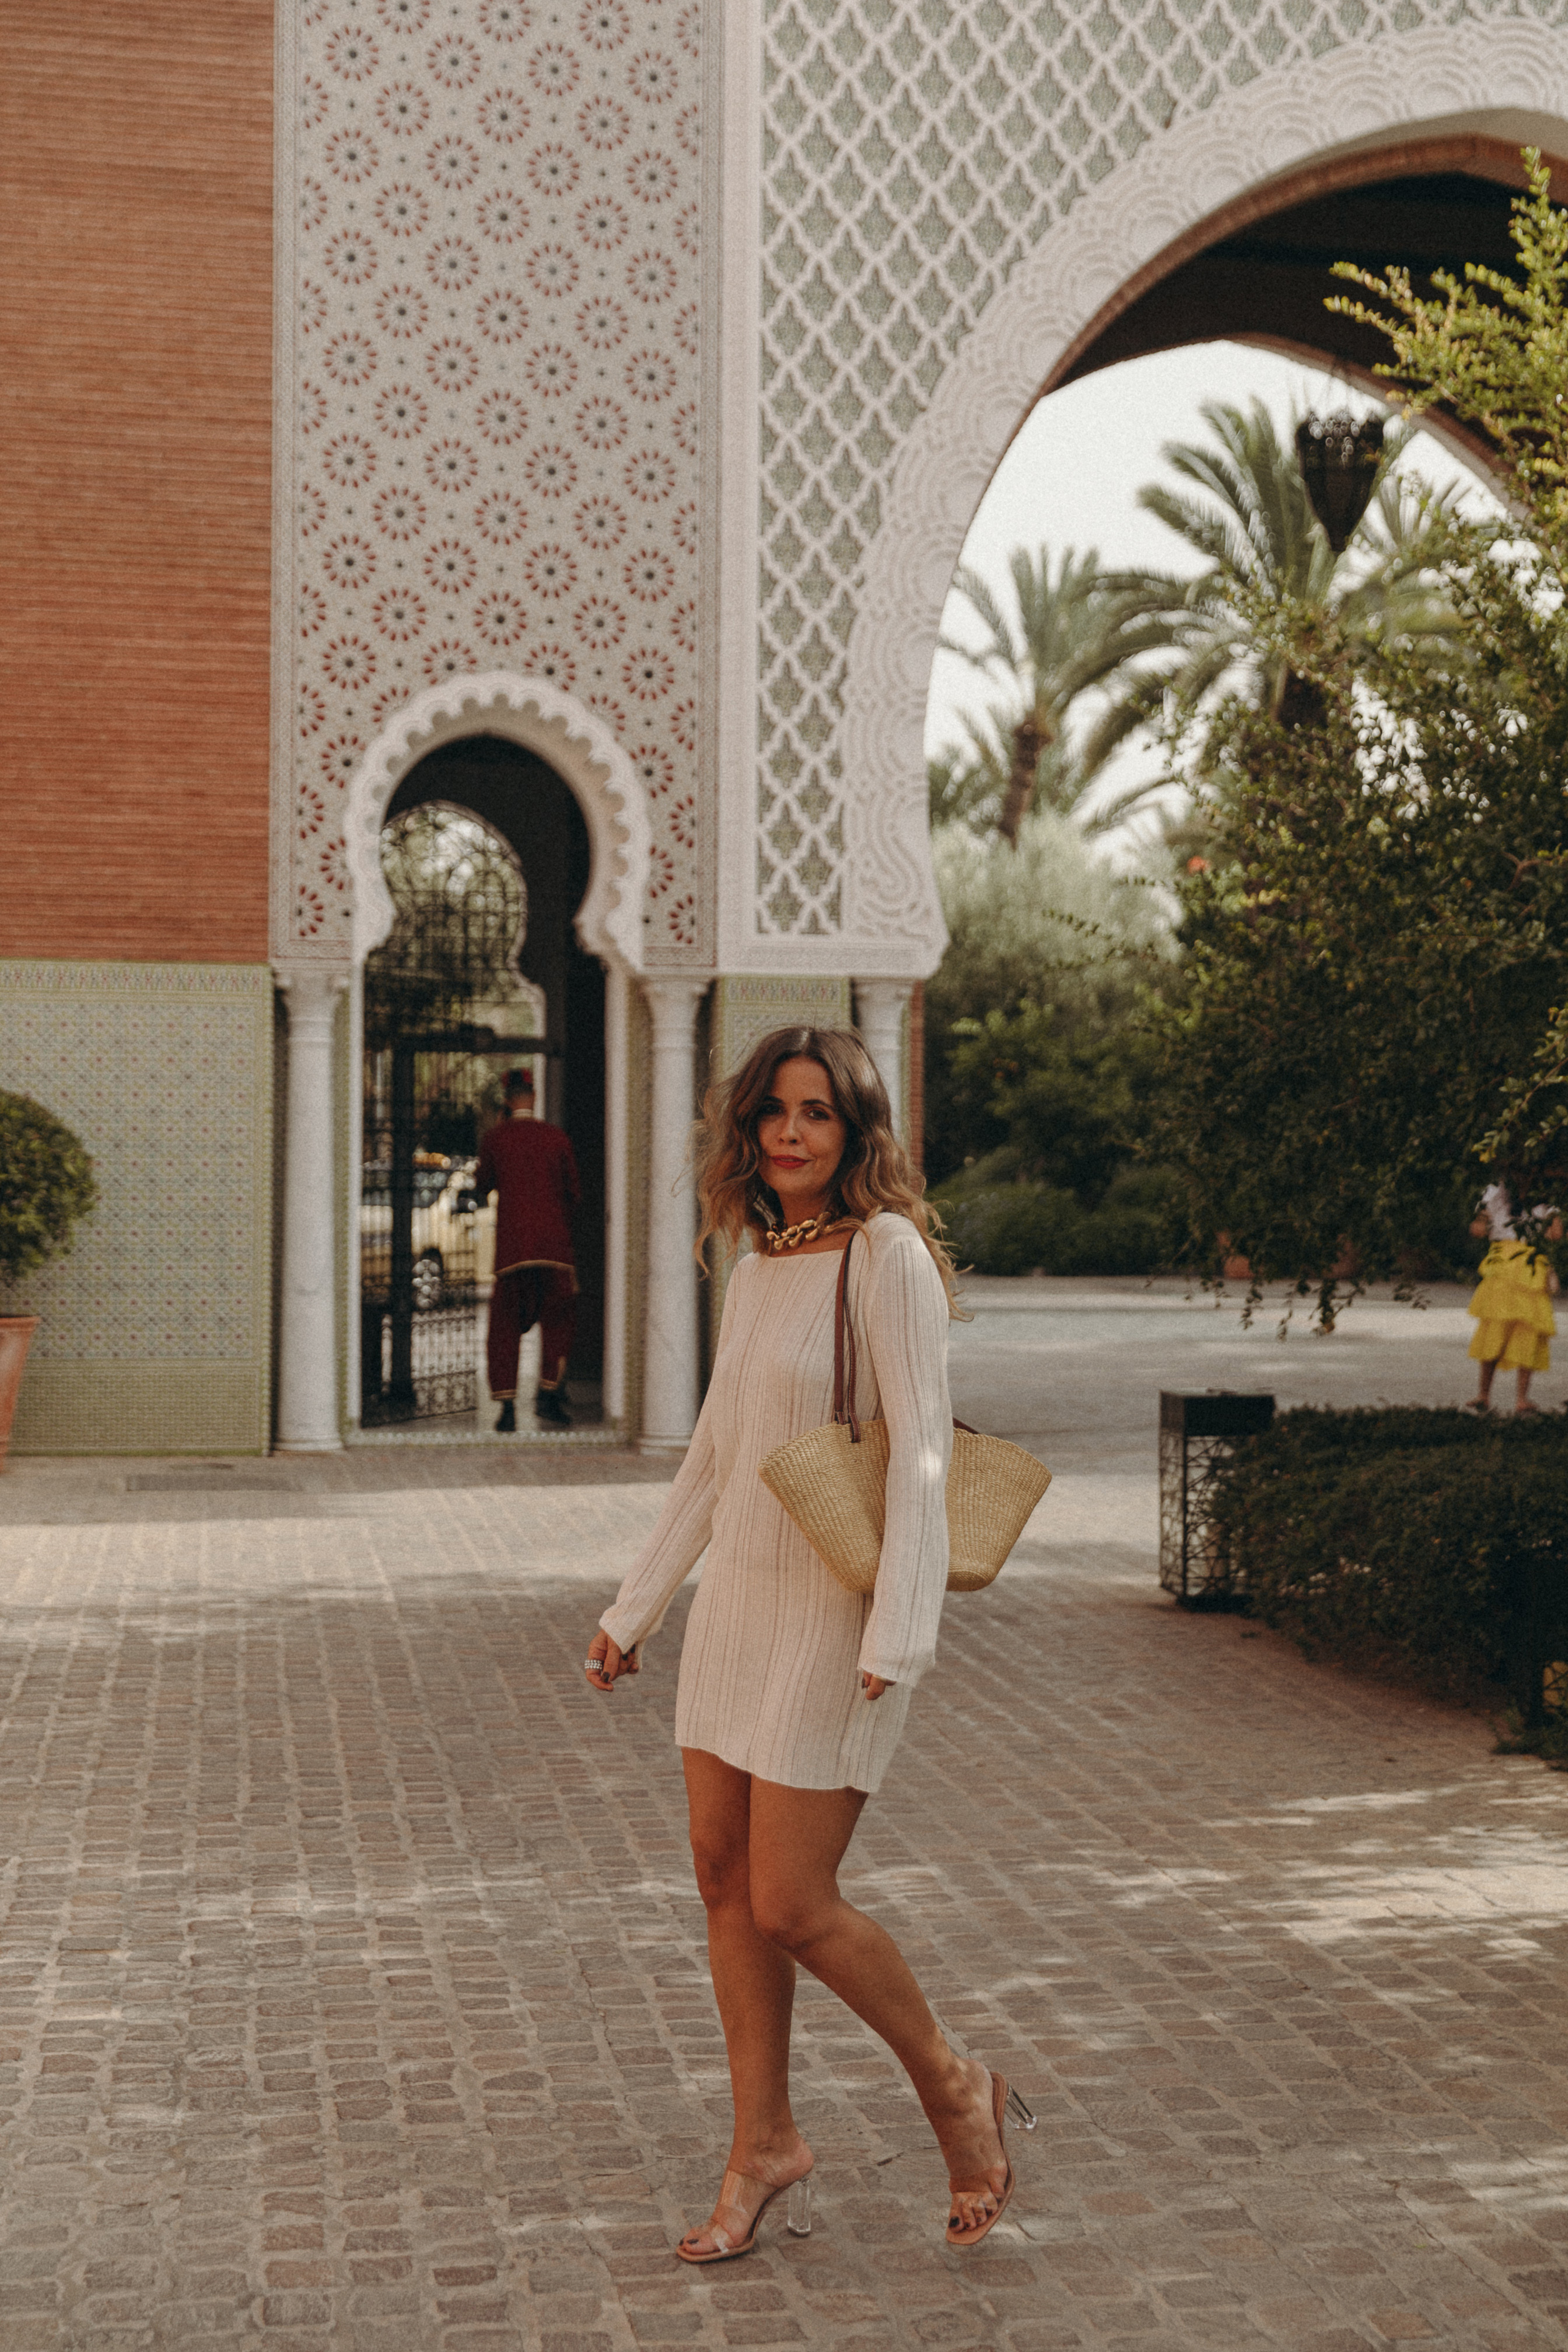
x: 798, y: 2215
x: 1018, y: 2113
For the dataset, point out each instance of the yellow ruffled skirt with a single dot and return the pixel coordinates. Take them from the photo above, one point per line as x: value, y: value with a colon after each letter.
x: 1512, y: 1309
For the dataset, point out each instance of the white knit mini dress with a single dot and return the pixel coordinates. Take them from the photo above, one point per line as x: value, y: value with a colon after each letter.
x: 770, y: 1673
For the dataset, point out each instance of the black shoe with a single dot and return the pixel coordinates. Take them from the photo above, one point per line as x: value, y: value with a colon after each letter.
x: 507, y: 1426
x: 550, y: 1405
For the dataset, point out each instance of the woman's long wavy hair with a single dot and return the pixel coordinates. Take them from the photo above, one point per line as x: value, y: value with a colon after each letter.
x: 873, y: 1173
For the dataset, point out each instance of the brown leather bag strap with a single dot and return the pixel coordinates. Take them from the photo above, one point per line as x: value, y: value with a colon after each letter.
x: 843, y: 1345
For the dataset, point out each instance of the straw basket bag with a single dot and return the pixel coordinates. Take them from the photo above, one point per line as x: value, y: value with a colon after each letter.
x: 833, y: 1483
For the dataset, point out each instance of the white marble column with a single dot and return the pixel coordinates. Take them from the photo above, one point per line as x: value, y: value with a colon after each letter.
x: 879, y: 1017
x: 308, y: 1419
x: 669, y: 1351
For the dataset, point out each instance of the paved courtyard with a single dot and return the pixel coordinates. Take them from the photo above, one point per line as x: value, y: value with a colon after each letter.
x: 352, y: 1979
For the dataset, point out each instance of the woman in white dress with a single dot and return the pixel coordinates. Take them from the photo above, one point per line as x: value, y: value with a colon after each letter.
x: 794, y: 1690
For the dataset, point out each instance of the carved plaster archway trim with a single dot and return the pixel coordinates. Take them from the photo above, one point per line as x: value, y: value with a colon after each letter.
x: 544, y: 718
x: 1503, y: 79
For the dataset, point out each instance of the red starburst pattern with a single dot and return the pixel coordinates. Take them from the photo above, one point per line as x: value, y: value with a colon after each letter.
x: 501, y: 417
x: 652, y: 177
x: 608, y: 709
x: 454, y: 61
x: 602, y: 424
x: 680, y: 920
x: 452, y: 365
x: 310, y: 802
x: 649, y: 475
x: 503, y: 218
x: 686, y: 425
x: 680, y: 821
x: 505, y: 117
x: 352, y: 156
x: 603, y: 224
x: 501, y: 317
x: 603, y: 125
x: 554, y: 662
x: 313, y: 204
x: 453, y: 264
x: 348, y: 562
x: 549, y: 571
x: 506, y: 20
x: 651, y: 277
x: 348, y: 664
x: 398, y: 512
x: 352, y: 54
x: 500, y: 519
x: 349, y: 461
x: 452, y: 163
x: 402, y: 311
x: 601, y: 324
x: 351, y: 259
x: 661, y: 872
x: 551, y: 471
x: 649, y: 377
x: 312, y: 406
x: 500, y: 620
x: 685, y: 524
x: 401, y: 411
x: 553, y: 272
x: 599, y: 624
x: 686, y: 328
x: 683, y: 725
x: 403, y: 16
x: 451, y: 466
x: 604, y: 24
x: 312, y: 509
x: 601, y: 525
x: 310, y: 711
x: 448, y: 658
x: 656, y: 768
x: 450, y: 567
x: 647, y: 674
x: 650, y: 77
x: 402, y: 109
x: 553, y: 70
x: 403, y: 210
x: 313, y: 306
x: 683, y: 626
x: 552, y: 172
x: 389, y: 699
x: 688, y: 29
x: 350, y: 359
x: 314, y: 102
x: 649, y: 575
x: 689, y: 130
x: 550, y: 371
x: 399, y: 615
x: 688, y: 229
x: 339, y: 757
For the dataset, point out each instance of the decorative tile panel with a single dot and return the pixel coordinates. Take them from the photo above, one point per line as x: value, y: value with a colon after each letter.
x: 913, y: 155
x: 497, y: 444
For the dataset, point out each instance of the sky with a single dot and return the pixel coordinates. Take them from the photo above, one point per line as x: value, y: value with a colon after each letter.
x: 1072, y: 476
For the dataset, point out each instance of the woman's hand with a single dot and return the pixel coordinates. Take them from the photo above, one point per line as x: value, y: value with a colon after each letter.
x: 1478, y: 1228
x: 605, y: 1664
x: 873, y: 1685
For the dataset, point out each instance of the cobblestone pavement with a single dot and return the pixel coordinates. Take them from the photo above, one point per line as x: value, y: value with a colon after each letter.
x: 352, y: 1979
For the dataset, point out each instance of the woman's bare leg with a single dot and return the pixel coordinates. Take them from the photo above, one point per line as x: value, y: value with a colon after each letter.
x: 1521, y: 1400
x: 797, y: 1840
x: 753, y: 1979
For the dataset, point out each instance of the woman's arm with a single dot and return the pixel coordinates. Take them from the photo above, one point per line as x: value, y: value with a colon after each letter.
x: 904, y: 1322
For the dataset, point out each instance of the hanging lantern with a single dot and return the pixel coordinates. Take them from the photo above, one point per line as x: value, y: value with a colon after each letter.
x: 1338, y: 456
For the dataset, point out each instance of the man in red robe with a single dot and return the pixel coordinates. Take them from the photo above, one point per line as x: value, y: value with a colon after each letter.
x: 529, y: 1165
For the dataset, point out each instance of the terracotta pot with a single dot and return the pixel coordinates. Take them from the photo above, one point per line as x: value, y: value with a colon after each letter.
x: 16, y: 1339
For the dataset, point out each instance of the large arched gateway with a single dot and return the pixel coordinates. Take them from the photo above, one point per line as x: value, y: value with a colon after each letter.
x: 616, y: 382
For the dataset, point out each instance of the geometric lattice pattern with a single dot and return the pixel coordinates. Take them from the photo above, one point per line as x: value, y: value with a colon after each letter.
x: 497, y: 438
x: 912, y: 155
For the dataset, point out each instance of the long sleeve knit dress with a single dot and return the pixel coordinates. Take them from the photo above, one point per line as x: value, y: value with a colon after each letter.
x: 770, y: 1671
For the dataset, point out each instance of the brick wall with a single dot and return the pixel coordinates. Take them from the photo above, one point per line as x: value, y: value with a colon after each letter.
x: 135, y: 397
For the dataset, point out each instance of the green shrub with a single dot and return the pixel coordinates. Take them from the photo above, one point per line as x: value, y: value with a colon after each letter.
x: 46, y: 1186
x: 1013, y: 1227
x: 1431, y: 1545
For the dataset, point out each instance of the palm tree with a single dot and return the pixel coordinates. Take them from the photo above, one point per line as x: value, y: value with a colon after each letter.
x: 1083, y: 628
x: 1258, y: 532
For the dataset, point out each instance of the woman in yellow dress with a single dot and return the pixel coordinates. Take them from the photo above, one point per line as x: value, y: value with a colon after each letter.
x: 1512, y: 1305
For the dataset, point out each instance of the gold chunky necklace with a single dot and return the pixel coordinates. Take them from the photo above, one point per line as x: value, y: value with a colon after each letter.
x: 792, y: 1236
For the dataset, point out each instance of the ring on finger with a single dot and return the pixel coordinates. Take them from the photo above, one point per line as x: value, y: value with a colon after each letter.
x: 595, y: 1667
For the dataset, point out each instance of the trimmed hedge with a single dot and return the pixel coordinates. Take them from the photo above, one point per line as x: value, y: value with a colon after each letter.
x: 47, y: 1187
x: 1015, y: 1226
x: 1431, y: 1545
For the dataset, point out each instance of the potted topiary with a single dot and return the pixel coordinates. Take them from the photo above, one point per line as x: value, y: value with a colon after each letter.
x: 46, y: 1188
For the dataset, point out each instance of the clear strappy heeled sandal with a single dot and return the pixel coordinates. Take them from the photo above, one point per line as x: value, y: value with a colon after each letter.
x: 725, y: 2249
x: 1006, y: 2106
